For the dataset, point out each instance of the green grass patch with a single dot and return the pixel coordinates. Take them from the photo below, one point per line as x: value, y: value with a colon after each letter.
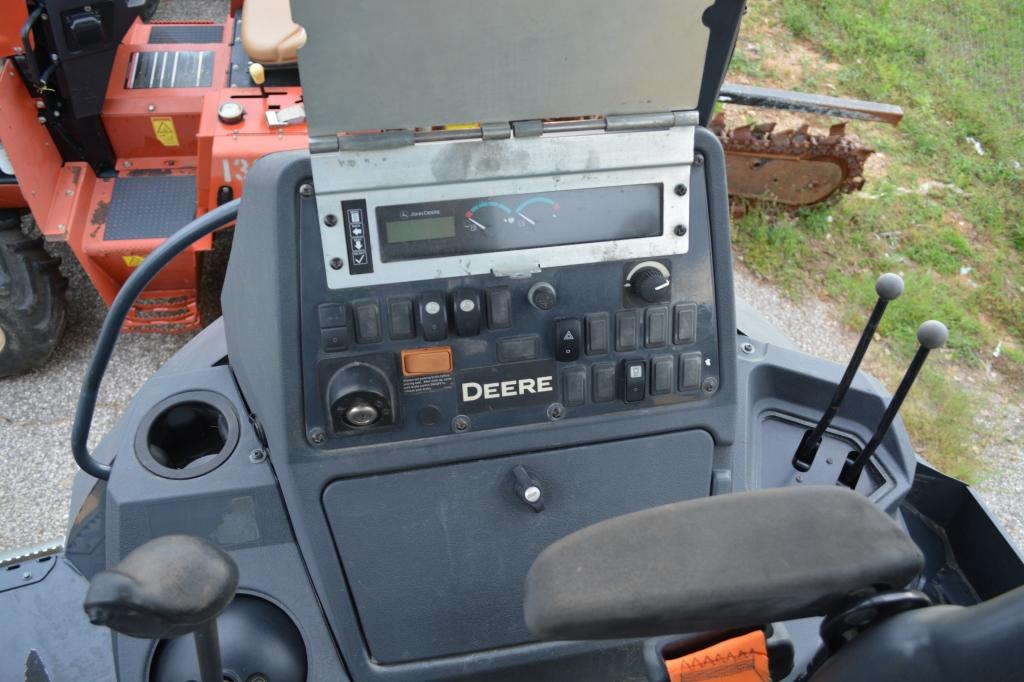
x: 950, y: 220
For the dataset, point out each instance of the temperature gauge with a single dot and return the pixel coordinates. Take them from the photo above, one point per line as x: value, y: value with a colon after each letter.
x: 536, y: 210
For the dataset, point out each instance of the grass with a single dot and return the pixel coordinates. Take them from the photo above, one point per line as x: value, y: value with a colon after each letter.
x: 947, y: 218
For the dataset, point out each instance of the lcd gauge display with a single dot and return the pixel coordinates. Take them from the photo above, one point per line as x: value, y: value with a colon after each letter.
x: 419, y: 229
x: 508, y: 222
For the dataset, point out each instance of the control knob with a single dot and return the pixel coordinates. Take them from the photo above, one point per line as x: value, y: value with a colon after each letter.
x: 651, y: 284
x: 542, y: 296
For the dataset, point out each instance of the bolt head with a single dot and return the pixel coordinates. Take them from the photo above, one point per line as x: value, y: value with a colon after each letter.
x: 680, y: 190
x: 460, y: 423
x: 317, y: 436
x: 680, y: 230
x: 747, y: 347
x: 330, y: 220
x: 42, y: 119
x: 337, y: 263
x: 710, y: 385
x: 150, y: 107
x: 26, y: 576
x: 306, y: 189
x: 556, y: 411
x: 257, y: 456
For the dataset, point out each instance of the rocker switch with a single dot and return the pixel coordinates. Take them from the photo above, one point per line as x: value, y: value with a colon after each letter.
x: 466, y: 311
x: 433, y: 315
x: 568, y: 339
x: 635, y: 381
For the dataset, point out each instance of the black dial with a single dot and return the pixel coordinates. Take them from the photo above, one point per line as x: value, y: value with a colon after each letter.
x: 542, y: 296
x: 651, y: 285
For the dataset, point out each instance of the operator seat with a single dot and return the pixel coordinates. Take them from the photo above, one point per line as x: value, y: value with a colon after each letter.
x: 269, y: 34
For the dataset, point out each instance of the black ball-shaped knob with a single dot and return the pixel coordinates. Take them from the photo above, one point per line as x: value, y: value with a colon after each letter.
x: 542, y: 296
x: 651, y: 285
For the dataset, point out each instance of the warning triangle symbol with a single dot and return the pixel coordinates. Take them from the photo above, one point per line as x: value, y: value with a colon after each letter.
x: 568, y: 337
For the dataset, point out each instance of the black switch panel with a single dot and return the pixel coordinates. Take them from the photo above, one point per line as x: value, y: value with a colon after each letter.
x: 574, y: 386
x: 400, y: 320
x: 685, y: 323
x: 690, y: 371
x: 663, y: 374
x: 626, y: 330
x: 368, y: 328
x: 333, y: 315
x: 597, y: 334
x: 634, y: 380
x: 466, y: 311
x: 334, y: 340
x: 433, y: 314
x: 604, y: 382
x: 357, y: 236
x: 568, y: 339
x: 656, y: 327
x: 499, y: 308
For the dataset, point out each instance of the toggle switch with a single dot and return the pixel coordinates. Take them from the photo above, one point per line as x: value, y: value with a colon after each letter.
x: 433, y: 315
x: 635, y: 382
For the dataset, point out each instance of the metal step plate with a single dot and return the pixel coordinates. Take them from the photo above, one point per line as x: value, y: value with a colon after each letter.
x: 150, y: 206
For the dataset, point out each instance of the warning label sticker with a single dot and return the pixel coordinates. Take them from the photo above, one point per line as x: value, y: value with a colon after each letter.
x: 424, y: 384
x: 163, y: 127
x: 133, y: 261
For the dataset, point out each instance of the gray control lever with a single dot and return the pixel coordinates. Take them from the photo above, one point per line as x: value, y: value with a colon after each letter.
x: 168, y: 587
x: 888, y: 287
x: 931, y: 335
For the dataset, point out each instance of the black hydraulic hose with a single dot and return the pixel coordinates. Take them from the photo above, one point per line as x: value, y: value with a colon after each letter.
x: 26, y: 44
x: 119, y: 309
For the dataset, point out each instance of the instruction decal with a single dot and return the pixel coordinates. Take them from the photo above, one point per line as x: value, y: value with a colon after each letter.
x: 163, y: 128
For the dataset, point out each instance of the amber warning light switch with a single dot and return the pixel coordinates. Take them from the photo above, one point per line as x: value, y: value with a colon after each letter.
x: 426, y: 361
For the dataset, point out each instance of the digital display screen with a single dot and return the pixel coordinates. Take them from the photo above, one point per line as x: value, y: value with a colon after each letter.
x: 419, y: 229
x: 485, y: 224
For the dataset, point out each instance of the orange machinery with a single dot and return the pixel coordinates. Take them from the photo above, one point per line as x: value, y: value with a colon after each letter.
x: 176, y: 154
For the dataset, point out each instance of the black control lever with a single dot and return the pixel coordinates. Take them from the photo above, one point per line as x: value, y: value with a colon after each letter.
x: 931, y: 335
x: 888, y: 287
x: 168, y: 587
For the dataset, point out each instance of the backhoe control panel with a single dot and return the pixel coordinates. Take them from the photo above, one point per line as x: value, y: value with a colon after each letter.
x: 400, y: 360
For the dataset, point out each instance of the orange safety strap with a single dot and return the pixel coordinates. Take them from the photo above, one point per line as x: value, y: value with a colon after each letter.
x: 740, y: 659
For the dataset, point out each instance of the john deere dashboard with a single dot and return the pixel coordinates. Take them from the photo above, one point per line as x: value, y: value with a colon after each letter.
x: 573, y: 290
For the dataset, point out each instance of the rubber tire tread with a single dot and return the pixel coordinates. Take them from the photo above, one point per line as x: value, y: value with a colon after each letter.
x: 33, y: 308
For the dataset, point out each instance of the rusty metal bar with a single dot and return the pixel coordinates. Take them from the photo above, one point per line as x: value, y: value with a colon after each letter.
x: 841, y: 107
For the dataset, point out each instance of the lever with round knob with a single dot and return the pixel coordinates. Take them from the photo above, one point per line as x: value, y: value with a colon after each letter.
x: 651, y: 285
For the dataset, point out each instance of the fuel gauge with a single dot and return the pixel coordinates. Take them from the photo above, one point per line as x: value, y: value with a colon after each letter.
x: 486, y: 215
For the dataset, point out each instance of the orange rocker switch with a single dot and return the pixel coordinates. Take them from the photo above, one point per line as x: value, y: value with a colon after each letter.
x: 423, y: 361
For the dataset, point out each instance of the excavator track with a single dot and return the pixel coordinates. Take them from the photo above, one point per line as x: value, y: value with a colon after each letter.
x: 794, y: 168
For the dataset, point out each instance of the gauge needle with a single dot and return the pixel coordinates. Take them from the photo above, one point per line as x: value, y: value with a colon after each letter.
x: 526, y: 219
x: 480, y: 225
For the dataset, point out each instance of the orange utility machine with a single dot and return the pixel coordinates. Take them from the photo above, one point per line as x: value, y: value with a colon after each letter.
x: 115, y: 133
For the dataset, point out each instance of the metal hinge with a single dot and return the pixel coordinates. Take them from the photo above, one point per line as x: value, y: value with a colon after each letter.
x: 503, y: 131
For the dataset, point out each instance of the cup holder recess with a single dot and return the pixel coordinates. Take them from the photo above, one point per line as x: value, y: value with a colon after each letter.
x: 187, y: 435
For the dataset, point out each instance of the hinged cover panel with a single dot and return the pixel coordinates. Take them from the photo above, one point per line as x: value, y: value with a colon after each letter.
x: 374, y: 64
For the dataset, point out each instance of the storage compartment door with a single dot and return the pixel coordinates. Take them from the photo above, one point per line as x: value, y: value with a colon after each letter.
x: 436, y: 558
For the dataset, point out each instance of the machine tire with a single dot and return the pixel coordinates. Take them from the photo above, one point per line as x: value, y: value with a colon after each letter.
x: 32, y: 302
x: 149, y: 10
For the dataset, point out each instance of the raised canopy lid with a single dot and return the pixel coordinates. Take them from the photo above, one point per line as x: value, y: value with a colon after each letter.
x: 398, y: 64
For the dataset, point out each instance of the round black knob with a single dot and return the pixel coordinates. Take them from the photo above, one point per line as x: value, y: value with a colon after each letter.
x: 651, y: 285
x: 542, y: 296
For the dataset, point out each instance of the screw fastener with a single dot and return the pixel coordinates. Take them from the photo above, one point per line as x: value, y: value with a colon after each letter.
x: 306, y: 190
x: 337, y: 263
x: 556, y: 411
x: 680, y: 190
x: 317, y: 436
x: 330, y: 220
x: 680, y: 230
x: 710, y: 385
x: 461, y: 423
x: 747, y: 347
x: 257, y: 455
